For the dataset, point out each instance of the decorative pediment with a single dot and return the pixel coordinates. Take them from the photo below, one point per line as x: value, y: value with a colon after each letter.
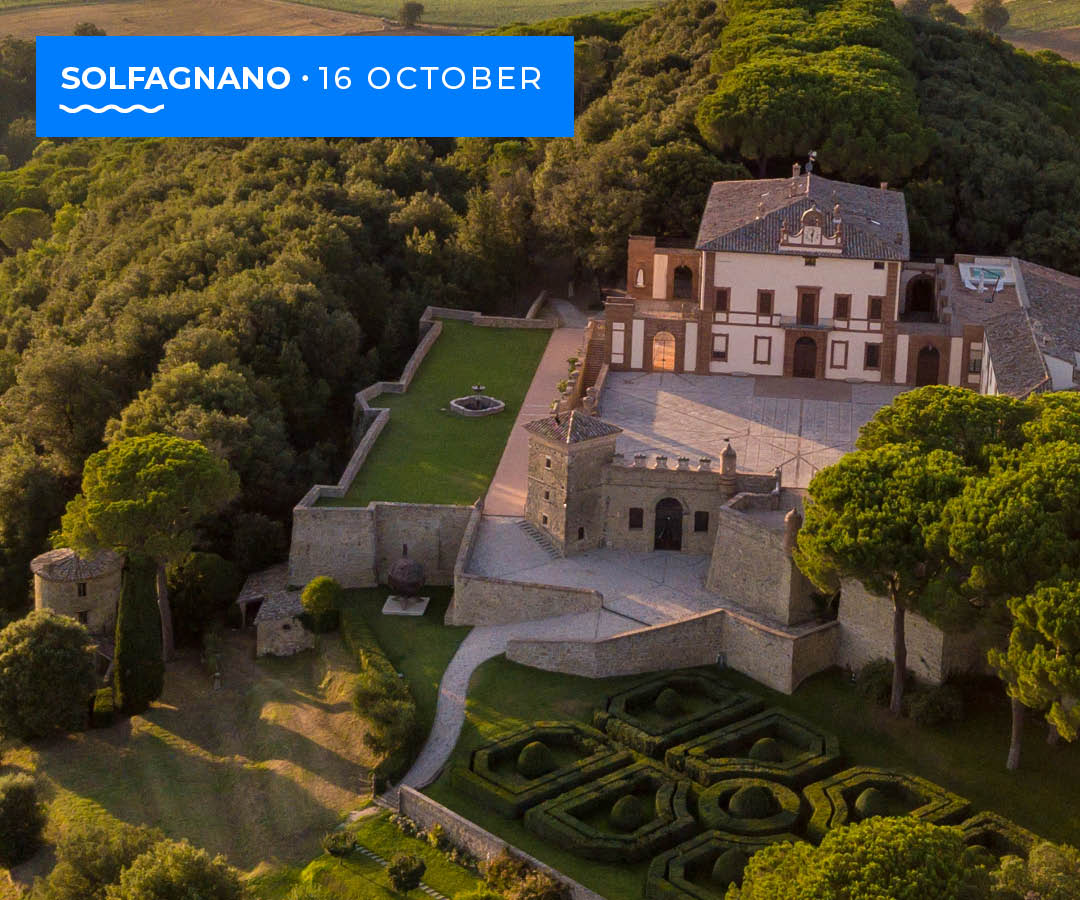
x: 813, y: 234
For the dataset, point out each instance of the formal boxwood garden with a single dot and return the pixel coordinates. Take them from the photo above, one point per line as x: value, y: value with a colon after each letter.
x: 734, y: 778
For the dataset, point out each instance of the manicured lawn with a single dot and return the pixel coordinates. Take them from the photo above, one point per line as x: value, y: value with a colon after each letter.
x: 968, y: 758
x: 257, y: 771
x: 428, y: 455
x: 359, y: 878
x: 419, y: 647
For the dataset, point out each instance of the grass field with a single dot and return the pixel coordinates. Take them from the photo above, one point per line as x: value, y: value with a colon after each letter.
x: 359, y: 878
x: 485, y: 13
x: 257, y: 771
x: 968, y: 758
x: 428, y: 455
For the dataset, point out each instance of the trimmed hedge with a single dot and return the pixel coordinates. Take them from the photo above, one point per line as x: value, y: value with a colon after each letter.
x: 103, y: 710
x: 735, y: 807
x: 832, y: 801
x: 494, y: 777
x: 647, y: 718
x: 572, y: 821
x: 685, y: 872
x: 726, y: 752
x: 999, y: 835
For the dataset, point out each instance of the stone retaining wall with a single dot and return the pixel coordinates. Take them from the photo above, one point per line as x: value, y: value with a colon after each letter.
x: 471, y: 837
x: 482, y: 600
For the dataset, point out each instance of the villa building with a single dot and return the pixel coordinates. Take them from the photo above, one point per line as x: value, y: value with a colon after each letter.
x: 807, y: 277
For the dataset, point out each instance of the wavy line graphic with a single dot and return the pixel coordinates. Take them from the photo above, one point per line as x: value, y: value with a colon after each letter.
x: 113, y: 107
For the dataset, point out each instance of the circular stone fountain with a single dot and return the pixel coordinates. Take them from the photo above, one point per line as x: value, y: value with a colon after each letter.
x: 479, y: 404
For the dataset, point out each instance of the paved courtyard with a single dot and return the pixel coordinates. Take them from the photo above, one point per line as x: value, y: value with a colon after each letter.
x: 801, y: 425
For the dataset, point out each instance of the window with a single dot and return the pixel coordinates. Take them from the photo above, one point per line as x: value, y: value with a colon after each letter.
x: 975, y: 361
x: 581, y: 534
x: 879, y: 264
x: 543, y: 520
x: 764, y: 303
x: 83, y: 616
x: 82, y: 589
x: 683, y: 283
x: 637, y: 517
x: 639, y: 279
x: 842, y: 306
x: 809, y: 260
x: 873, y: 357
x: 838, y: 359
x: 547, y: 462
x: 875, y: 309
x: 547, y: 495
x: 701, y: 521
x: 763, y: 350
x: 722, y: 297
x: 719, y: 347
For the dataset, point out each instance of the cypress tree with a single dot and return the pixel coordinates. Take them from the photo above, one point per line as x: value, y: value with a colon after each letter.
x: 138, y: 670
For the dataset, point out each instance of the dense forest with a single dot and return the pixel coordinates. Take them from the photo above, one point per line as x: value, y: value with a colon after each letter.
x: 238, y: 291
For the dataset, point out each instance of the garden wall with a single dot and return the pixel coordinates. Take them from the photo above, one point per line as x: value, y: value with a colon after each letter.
x: 471, y: 837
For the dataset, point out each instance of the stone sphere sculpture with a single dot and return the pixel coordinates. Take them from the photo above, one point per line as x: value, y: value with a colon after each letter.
x: 406, y: 577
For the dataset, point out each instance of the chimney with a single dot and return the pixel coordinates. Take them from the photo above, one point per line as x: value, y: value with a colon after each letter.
x: 884, y: 185
x: 796, y: 170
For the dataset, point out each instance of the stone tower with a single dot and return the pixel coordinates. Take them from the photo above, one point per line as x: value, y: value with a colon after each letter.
x: 567, y: 456
x: 85, y: 588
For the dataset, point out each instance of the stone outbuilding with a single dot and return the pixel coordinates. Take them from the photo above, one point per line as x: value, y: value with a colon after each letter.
x: 267, y: 602
x: 85, y: 588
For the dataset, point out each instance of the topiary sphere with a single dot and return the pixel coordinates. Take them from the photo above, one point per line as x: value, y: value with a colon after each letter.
x: 728, y: 867
x: 871, y: 802
x: 669, y: 703
x: 754, y: 801
x: 628, y: 813
x: 535, y: 760
x: 767, y: 749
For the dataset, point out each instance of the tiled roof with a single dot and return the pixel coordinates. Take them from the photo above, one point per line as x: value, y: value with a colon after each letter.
x: 66, y: 565
x: 572, y: 428
x: 1054, y: 310
x: 271, y: 588
x: 746, y: 216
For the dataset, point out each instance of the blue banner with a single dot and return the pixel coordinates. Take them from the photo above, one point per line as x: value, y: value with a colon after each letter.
x: 363, y: 86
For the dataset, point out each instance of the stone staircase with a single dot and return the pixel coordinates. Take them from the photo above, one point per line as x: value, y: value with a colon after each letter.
x: 540, y: 538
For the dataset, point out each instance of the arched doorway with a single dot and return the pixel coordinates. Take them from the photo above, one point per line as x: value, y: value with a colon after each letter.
x: 663, y: 352
x: 919, y: 300
x: 805, y: 361
x: 668, y: 533
x: 684, y: 283
x: 926, y: 369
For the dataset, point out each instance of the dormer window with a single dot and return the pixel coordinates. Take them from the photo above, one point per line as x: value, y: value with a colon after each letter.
x: 814, y: 232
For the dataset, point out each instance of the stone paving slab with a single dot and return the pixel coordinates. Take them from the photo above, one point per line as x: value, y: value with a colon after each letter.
x: 797, y: 424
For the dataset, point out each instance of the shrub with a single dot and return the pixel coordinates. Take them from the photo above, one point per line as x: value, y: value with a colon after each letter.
x: 405, y: 872
x: 870, y: 803
x: 480, y: 894
x: 322, y: 600
x: 515, y: 879
x: 21, y: 819
x: 728, y: 867
x: 668, y: 703
x: 766, y: 749
x: 46, y: 676
x: 535, y: 760
x: 257, y: 541
x: 628, y: 813
x: 934, y: 706
x: 754, y: 801
x: 309, y: 892
x: 91, y: 857
x: 504, y: 871
x: 874, y: 682
x: 383, y: 699
x: 338, y: 843
x: 201, y: 587
x: 538, y: 886
x: 139, y: 672
x: 104, y: 711
x: 172, y: 870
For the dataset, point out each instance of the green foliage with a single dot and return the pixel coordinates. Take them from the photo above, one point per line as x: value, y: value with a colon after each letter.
x: 338, y: 843
x: 321, y: 600
x: 410, y: 13
x: 104, y: 710
x: 46, y: 676
x: 21, y: 227
x: 1051, y: 872
x: 752, y: 802
x: 514, y: 879
x: 990, y: 14
x: 201, y: 587
x: 669, y: 703
x: 405, y: 872
x: 91, y: 857
x: 935, y: 706
x: 173, y: 870
x: 138, y: 671
x: 874, y: 681
x: 870, y: 803
x: 728, y: 868
x: 766, y: 749
x: 628, y: 814
x: 535, y: 760
x: 869, y: 860
x: 22, y: 819
x: 384, y: 700
x: 609, y: 25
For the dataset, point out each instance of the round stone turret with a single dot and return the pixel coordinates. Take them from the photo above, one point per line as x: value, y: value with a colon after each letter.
x: 406, y: 576
x: 792, y: 523
x: 85, y: 588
